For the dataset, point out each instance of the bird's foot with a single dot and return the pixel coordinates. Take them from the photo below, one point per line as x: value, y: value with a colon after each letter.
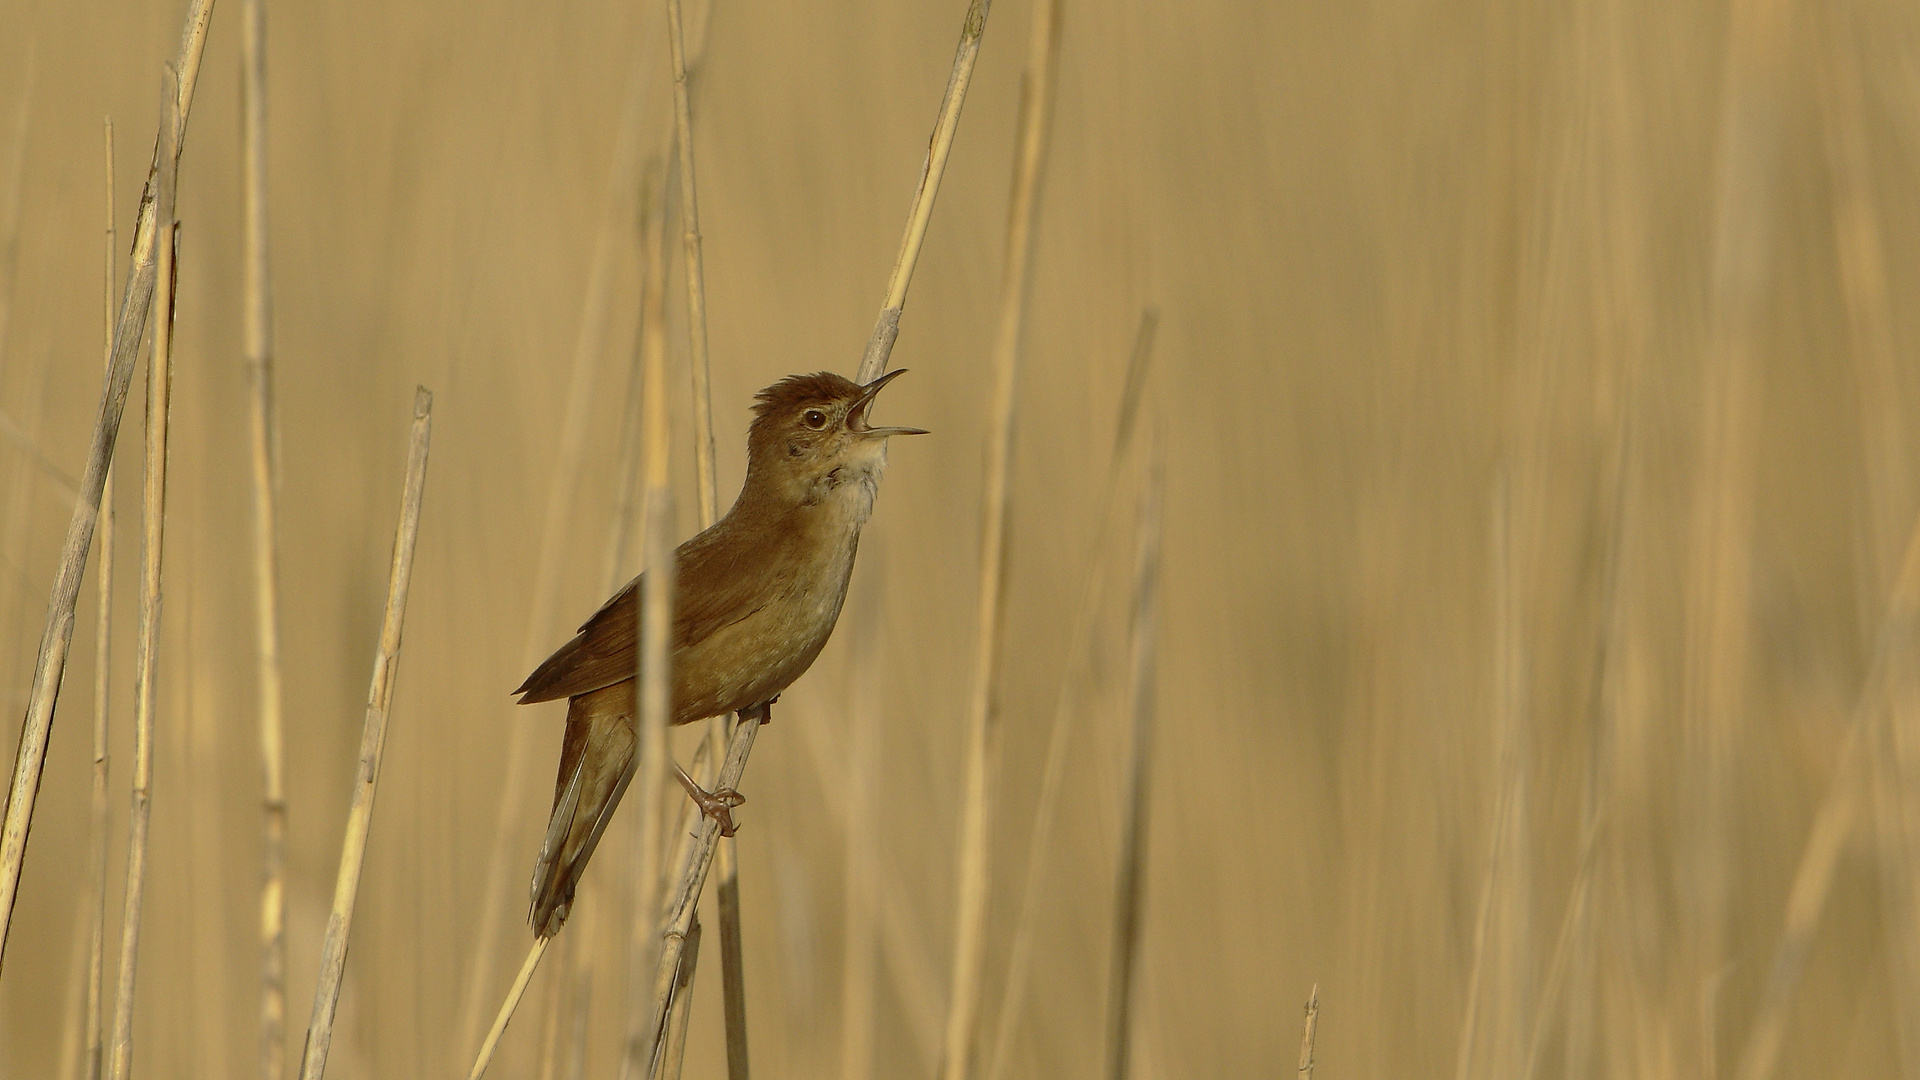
x: 717, y: 805
x: 762, y: 712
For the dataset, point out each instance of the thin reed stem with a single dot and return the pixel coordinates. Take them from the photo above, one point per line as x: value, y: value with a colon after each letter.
x: 102, y: 684
x: 135, y: 301
x: 873, y: 363
x: 732, y: 960
x: 257, y: 316
x: 648, y: 835
x: 514, y: 993
x: 153, y: 509
x: 1309, y: 1028
x: 862, y: 770
x: 655, y: 653
x: 1130, y: 876
x: 556, y: 528
x: 373, y: 741
x: 686, y: 896
x: 1053, y: 772
x: 976, y: 819
x: 673, y: 1051
x: 693, y: 880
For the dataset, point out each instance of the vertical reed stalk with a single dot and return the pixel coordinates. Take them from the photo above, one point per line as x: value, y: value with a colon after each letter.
x: 862, y: 771
x: 102, y: 684
x: 1309, y: 1029
x: 648, y: 834
x: 976, y: 822
x: 1053, y: 772
x: 258, y: 340
x: 557, y: 523
x: 655, y: 650
x: 58, y: 635
x: 732, y: 960
x: 687, y: 891
x: 373, y: 741
x: 152, y: 535
x: 1131, y: 873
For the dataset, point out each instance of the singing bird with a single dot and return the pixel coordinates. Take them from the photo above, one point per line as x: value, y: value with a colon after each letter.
x: 755, y: 598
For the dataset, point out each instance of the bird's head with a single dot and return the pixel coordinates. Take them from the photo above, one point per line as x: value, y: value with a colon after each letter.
x: 811, y: 432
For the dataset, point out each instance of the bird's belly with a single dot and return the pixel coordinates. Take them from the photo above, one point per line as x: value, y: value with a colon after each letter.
x: 756, y: 658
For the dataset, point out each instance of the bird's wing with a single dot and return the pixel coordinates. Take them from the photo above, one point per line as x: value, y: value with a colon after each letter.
x: 600, y: 655
x: 715, y: 588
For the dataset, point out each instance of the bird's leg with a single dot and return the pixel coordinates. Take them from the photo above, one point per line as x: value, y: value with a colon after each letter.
x: 717, y: 805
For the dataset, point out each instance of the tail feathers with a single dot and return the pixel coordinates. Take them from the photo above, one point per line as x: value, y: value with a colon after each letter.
x: 597, y: 762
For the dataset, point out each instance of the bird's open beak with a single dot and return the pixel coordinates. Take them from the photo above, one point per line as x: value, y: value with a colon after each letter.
x: 857, y: 416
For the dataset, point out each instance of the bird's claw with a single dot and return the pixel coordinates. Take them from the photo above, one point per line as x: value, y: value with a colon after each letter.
x: 717, y: 804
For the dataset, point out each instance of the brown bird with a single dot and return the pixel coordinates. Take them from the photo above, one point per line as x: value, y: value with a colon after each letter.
x: 755, y: 598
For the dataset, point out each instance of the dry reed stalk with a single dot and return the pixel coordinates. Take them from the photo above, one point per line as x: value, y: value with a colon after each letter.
x: 1053, y: 772
x: 58, y: 635
x: 975, y: 870
x: 873, y: 363
x: 732, y: 958
x: 257, y: 314
x: 857, y: 975
x: 1130, y: 875
x: 672, y: 1054
x: 517, y: 785
x: 655, y: 650
x: 673, y: 1050
x: 686, y: 895
x: 102, y: 683
x: 650, y: 348
x: 514, y: 993
x: 1308, y: 1029
x: 373, y: 741
x: 152, y: 536
x: 692, y: 881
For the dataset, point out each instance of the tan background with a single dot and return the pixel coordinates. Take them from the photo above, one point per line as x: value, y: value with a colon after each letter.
x: 1535, y: 382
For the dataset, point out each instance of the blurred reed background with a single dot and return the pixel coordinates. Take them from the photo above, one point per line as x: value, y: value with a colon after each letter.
x: 1536, y: 396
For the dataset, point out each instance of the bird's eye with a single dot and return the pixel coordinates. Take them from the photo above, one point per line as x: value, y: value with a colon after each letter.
x: 814, y: 419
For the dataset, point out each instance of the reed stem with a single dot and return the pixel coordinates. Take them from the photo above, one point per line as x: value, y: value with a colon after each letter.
x: 514, y: 993
x: 976, y: 822
x: 258, y: 339
x: 1308, y: 1029
x: 135, y: 302
x: 1143, y: 684
x: 656, y: 587
x: 873, y: 363
x: 373, y: 740
x: 152, y: 536
x: 102, y: 684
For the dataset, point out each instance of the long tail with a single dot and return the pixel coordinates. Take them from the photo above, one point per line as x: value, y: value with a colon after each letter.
x: 596, y: 764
